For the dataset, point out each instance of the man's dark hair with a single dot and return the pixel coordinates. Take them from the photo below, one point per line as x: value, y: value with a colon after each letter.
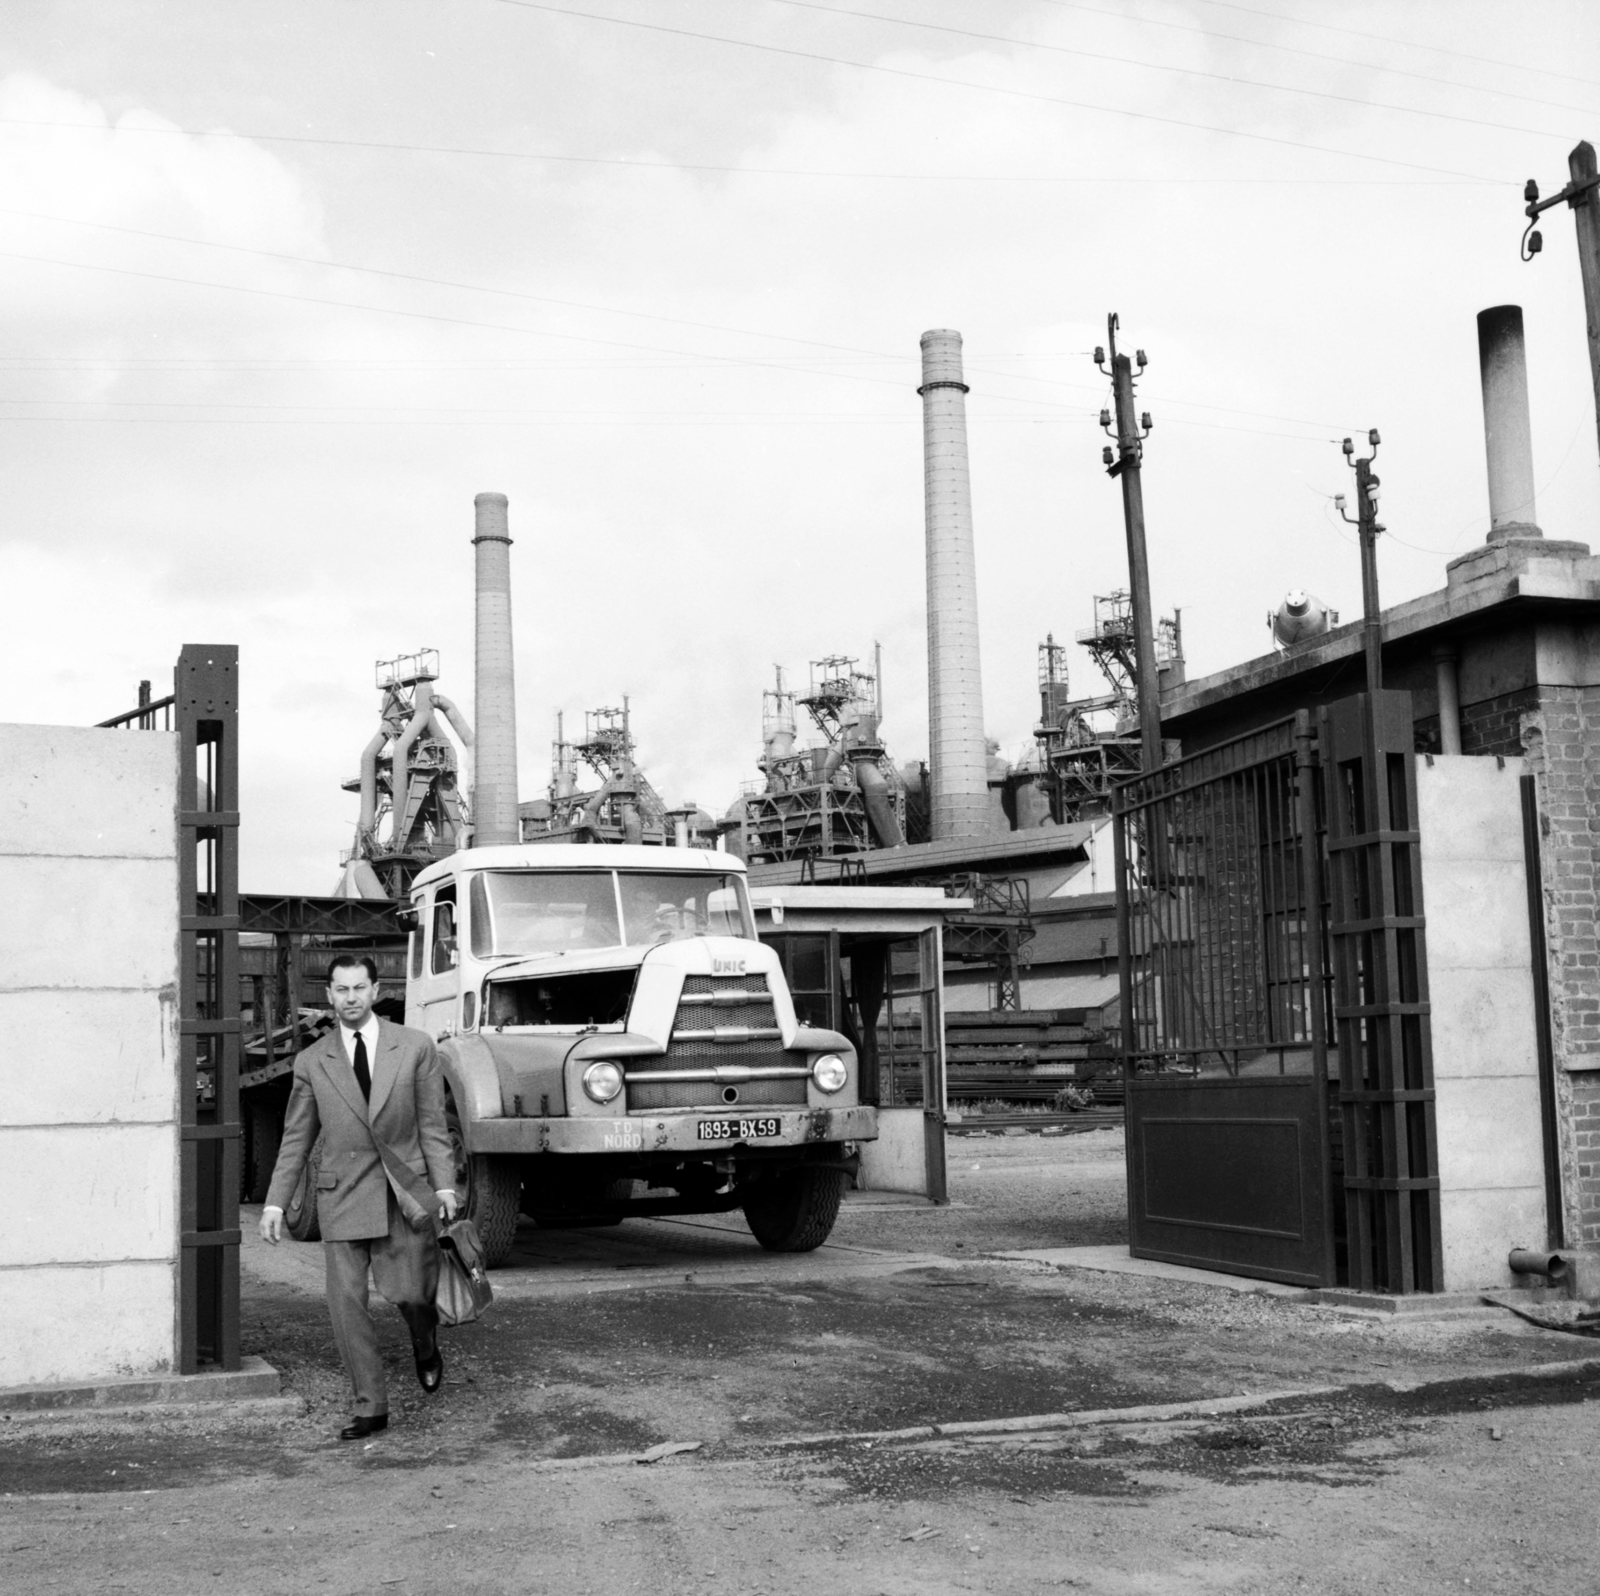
x: 349, y: 961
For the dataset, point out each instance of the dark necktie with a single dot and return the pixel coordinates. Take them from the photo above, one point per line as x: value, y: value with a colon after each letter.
x: 363, y: 1075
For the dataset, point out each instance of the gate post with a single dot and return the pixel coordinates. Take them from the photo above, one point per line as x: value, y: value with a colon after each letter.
x: 205, y: 688
x: 1381, y: 1009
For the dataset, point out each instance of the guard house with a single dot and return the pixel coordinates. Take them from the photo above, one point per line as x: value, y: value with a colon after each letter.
x: 1359, y: 957
x: 869, y: 961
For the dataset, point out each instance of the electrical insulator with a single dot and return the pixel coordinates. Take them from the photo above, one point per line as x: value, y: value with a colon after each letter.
x: 1535, y: 242
x: 1144, y: 420
x: 1105, y: 418
x: 1099, y: 355
x: 1531, y: 192
x: 1138, y: 355
x: 1348, y: 447
x: 1105, y: 454
x: 1373, y: 439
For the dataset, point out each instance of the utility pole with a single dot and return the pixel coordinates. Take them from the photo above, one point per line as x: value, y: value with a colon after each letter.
x: 1582, y: 195
x: 1366, y: 519
x: 1125, y: 463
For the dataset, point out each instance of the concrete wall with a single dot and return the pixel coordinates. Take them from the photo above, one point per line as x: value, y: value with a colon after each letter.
x: 1485, y: 1049
x: 88, y: 1013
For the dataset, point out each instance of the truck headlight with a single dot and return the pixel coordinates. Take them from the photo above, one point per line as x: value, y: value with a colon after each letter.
x: 830, y: 1073
x: 603, y: 1080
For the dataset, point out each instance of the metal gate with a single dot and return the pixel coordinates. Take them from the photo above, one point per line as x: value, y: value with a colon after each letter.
x: 1225, y: 987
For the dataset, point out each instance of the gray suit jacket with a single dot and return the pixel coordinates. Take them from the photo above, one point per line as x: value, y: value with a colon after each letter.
x: 406, y: 1112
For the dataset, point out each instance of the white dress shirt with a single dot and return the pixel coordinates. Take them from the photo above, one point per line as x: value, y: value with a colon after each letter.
x: 368, y: 1033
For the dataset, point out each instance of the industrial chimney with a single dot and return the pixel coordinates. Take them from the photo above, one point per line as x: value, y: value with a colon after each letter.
x: 956, y: 750
x: 494, y: 797
x: 1507, y: 431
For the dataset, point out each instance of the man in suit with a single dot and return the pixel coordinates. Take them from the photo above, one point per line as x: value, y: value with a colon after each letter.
x: 375, y: 1092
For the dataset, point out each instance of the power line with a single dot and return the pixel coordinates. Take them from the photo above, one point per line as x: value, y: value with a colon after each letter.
x: 1316, y: 55
x: 989, y: 88
x: 444, y: 282
x: 120, y: 130
x: 1152, y: 66
x: 428, y: 316
x: 1404, y: 44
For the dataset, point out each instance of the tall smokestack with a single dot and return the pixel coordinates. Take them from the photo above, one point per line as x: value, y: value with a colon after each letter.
x: 956, y: 749
x: 494, y: 797
x: 1507, y: 430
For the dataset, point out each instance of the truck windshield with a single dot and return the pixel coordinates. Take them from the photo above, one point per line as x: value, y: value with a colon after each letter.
x: 546, y: 911
x: 543, y: 911
x: 665, y: 906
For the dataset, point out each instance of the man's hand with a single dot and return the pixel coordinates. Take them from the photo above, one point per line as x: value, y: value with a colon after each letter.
x: 448, y: 1206
x: 272, y: 1225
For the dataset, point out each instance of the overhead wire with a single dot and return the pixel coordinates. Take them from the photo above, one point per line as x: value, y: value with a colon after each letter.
x: 1232, y: 79
x: 1499, y: 62
x: 908, y: 74
x: 121, y: 129
x: 443, y: 282
x: 1313, y: 55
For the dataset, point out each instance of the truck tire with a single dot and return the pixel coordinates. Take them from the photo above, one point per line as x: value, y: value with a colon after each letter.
x: 304, y: 1225
x: 489, y: 1190
x: 263, y: 1126
x: 794, y: 1211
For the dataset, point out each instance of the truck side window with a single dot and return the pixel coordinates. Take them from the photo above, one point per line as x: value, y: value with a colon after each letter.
x: 443, y: 956
x: 416, y: 943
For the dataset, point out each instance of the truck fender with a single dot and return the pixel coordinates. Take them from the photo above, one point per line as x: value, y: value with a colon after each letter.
x: 811, y: 1040
x: 477, y: 1082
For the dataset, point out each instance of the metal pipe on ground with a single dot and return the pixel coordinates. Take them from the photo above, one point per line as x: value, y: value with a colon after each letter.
x: 958, y: 752
x: 1554, y: 1266
x: 1507, y: 428
x: 494, y: 793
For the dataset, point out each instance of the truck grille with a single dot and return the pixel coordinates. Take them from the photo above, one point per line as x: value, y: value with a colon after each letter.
x: 720, y: 1020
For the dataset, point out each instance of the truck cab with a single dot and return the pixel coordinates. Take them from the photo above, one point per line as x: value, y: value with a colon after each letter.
x: 617, y: 1042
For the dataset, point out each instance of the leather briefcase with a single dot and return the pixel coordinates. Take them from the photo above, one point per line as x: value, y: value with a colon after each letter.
x: 464, y: 1290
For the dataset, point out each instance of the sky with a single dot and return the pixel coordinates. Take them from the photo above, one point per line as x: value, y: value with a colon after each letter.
x: 283, y: 286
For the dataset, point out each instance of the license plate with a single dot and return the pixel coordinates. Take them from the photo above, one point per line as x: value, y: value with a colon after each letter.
x: 739, y: 1130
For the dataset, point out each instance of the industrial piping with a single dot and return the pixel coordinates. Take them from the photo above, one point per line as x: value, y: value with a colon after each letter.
x: 957, y: 751
x: 494, y: 794
x: 1507, y: 430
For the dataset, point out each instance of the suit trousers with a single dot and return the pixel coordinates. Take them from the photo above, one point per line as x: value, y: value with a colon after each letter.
x: 404, y: 1265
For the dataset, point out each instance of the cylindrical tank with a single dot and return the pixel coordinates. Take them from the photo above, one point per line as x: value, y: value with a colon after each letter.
x: 956, y: 751
x: 1299, y: 616
x: 494, y: 797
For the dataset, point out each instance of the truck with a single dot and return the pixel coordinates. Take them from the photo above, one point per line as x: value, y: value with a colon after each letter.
x: 616, y: 1042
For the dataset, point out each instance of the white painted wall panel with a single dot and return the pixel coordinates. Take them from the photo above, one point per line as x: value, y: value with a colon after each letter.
x: 1485, y: 1046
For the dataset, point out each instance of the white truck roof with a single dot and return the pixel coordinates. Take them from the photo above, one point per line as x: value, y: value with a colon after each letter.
x: 580, y: 856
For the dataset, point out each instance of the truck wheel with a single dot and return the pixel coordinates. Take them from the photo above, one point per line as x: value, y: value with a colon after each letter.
x: 489, y: 1190
x: 263, y: 1125
x: 794, y: 1211
x: 302, y: 1223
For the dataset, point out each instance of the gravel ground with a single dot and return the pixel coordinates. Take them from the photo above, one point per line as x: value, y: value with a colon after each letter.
x: 507, y: 1481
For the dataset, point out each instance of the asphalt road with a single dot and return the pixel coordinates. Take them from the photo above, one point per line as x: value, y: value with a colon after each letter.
x: 519, y: 1476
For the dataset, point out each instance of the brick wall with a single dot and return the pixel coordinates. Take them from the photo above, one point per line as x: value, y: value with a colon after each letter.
x: 1560, y: 731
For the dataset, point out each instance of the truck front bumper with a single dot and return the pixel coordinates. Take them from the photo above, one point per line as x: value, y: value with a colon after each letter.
x: 670, y: 1133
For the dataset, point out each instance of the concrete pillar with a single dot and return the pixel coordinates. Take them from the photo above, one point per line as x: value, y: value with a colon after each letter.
x: 1507, y: 430
x: 494, y: 796
x: 956, y: 749
x: 1444, y: 664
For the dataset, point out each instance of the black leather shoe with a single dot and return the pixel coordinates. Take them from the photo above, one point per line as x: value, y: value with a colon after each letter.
x: 363, y: 1425
x: 430, y: 1371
